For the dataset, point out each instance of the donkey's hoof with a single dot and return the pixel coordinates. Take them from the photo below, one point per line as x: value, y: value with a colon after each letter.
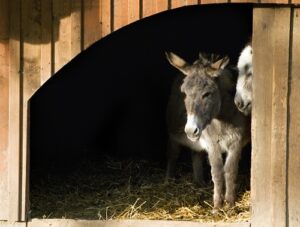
x: 215, y: 211
x: 230, y: 202
x: 169, y: 180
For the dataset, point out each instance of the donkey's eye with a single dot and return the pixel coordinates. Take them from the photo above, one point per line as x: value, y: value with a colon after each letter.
x: 206, y: 94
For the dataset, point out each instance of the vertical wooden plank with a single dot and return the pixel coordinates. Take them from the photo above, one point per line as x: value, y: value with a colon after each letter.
x: 154, y: 6
x: 261, y: 120
x: 125, y: 12
x: 105, y: 17
x: 4, y: 67
x: 120, y: 14
x: 180, y: 3
x: 46, y: 40
x: 31, y: 25
x: 294, y: 128
x: 281, y: 33
x: 76, y: 26
x: 92, y: 25
x: 61, y: 32
x: 14, y: 156
x: 133, y: 10
x: 269, y: 119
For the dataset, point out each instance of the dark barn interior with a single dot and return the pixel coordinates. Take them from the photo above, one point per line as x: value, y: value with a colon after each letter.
x: 111, y: 99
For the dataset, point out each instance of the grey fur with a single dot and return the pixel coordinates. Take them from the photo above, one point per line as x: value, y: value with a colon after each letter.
x: 207, y: 91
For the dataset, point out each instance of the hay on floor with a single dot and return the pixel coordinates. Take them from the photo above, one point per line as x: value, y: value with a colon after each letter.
x: 129, y: 189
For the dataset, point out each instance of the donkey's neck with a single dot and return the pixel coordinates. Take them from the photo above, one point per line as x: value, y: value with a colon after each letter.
x: 227, y: 85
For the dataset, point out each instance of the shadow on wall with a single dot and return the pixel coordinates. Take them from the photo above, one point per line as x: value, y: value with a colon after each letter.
x: 111, y: 98
x: 40, y: 21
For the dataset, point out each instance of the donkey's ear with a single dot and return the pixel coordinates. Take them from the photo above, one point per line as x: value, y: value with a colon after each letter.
x: 220, y: 64
x: 178, y: 63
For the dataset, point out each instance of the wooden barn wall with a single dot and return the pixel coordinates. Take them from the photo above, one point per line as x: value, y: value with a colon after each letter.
x: 275, y: 121
x: 38, y: 37
x: 4, y: 67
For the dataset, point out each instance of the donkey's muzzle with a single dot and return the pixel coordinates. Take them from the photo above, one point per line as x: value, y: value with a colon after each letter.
x: 193, y: 133
x: 243, y: 106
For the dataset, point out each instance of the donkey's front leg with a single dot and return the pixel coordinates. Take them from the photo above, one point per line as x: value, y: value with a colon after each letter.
x: 217, y: 173
x: 231, y: 171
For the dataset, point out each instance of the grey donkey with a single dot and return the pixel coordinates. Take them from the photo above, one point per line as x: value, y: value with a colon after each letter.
x: 202, y: 116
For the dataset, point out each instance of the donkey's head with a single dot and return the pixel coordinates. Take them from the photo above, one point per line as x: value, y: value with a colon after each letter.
x: 202, y: 94
x: 243, y: 97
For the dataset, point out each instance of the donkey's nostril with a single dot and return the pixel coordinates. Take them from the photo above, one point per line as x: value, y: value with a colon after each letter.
x: 196, y: 132
x: 238, y: 102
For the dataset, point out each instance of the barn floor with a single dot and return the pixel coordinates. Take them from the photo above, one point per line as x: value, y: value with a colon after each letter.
x: 130, y: 189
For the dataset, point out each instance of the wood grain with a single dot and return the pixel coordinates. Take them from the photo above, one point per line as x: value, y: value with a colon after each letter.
x: 125, y: 12
x: 46, y: 40
x: 76, y: 27
x: 154, y: 6
x: 294, y: 128
x: 62, y: 33
x: 91, y: 26
x: 105, y: 17
x: 271, y: 37
x: 120, y: 17
x: 180, y: 3
x: 14, y: 130
x: 4, y: 70
x: 261, y: 117
x: 31, y: 23
x: 213, y: 1
x: 281, y: 34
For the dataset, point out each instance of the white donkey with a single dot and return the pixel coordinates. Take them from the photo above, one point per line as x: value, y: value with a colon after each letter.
x: 243, y: 96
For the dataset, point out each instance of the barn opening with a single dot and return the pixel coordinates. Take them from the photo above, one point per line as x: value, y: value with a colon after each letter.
x: 99, y: 122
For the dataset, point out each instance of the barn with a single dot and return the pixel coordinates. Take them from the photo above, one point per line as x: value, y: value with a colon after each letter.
x: 51, y: 49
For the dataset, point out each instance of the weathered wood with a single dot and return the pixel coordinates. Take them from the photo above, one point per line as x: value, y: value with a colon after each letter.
x: 131, y: 223
x: 294, y: 128
x: 14, y: 133
x: 4, y: 69
x: 154, y: 6
x: 92, y: 26
x: 280, y: 64
x: 31, y: 23
x: 46, y: 40
x: 76, y: 27
x: 133, y: 10
x: 120, y: 14
x: 213, y: 1
x: 244, y: 1
x: 12, y: 224
x: 269, y: 120
x: 125, y: 12
x: 261, y: 121
x: 180, y: 3
x: 275, y: 1
x: 105, y: 17
x: 296, y: 1
x: 61, y: 32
